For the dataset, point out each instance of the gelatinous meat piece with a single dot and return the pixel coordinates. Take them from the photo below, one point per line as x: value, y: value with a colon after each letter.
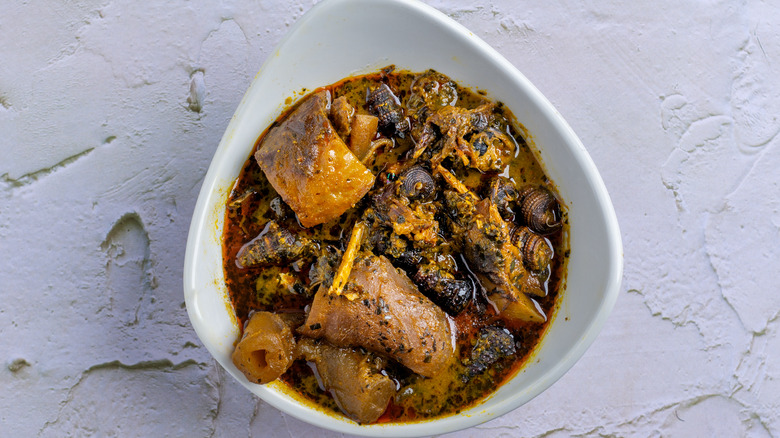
x: 267, y: 348
x: 388, y: 316
x: 310, y: 166
x: 352, y: 377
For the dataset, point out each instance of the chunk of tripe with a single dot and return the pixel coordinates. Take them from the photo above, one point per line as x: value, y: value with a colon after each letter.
x: 363, y: 130
x: 310, y: 166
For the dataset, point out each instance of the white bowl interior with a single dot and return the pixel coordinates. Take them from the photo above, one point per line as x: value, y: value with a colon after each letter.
x: 340, y: 38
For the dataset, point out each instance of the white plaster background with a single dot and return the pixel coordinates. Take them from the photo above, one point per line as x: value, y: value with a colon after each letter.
x: 110, y: 112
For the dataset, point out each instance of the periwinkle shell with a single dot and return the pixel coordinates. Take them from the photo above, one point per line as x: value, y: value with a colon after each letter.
x: 540, y: 210
x: 386, y: 106
x: 536, y: 250
x: 417, y: 183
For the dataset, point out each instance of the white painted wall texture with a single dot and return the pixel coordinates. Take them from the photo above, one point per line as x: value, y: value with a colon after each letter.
x: 110, y: 112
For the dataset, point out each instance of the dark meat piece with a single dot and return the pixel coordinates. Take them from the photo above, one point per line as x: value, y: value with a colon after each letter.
x: 310, y: 166
x: 282, y: 212
x: 443, y: 288
x: 458, y: 122
x: 489, y: 150
x: 382, y: 311
x: 498, y: 263
x: 492, y: 345
x: 341, y: 112
x: 352, y: 377
x: 274, y: 246
x: 485, y: 241
x: 415, y: 221
x: 466, y: 136
x: 266, y: 349
x: 397, y: 248
x: 324, y: 268
x: 461, y: 208
x: 454, y: 124
x: 430, y: 91
x: 386, y: 106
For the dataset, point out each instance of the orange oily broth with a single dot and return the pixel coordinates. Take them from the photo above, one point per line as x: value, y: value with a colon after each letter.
x: 272, y: 289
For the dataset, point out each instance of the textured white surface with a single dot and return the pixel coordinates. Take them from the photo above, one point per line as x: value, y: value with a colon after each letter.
x: 109, y: 115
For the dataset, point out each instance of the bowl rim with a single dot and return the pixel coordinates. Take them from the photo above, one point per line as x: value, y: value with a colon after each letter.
x: 579, y: 154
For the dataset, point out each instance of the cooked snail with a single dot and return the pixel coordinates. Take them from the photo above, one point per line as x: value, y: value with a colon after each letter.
x: 536, y: 250
x: 540, y: 210
x: 385, y: 105
x: 417, y: 183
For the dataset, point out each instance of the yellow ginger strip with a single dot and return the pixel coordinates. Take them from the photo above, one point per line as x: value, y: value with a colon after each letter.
x: 452, y: 180
x: 340, y: 280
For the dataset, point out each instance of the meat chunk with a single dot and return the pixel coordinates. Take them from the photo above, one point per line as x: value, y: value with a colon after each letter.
x: 388, y: 316
x: 274, y: 246
x: 498, y: 263
x: 443, y: 288
x: 417, y: 220
x: 352, y: 377
x: 310, y: 166
x: 493, y: 344
x: 432, y: 90
x: 324, y: 268
x: 342, y: 113
x: 266, y: 349
x: 485, y: 239
x: 364, y: 128
x: 467, y: 136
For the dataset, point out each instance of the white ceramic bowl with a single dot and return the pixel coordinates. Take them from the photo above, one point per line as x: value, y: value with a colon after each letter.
x: 340, y: 38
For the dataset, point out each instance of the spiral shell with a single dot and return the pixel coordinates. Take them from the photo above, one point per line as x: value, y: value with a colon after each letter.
x: 386, y: 106
x: 536, y: 250
x: 540, y: 210
x: 416, y: 183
